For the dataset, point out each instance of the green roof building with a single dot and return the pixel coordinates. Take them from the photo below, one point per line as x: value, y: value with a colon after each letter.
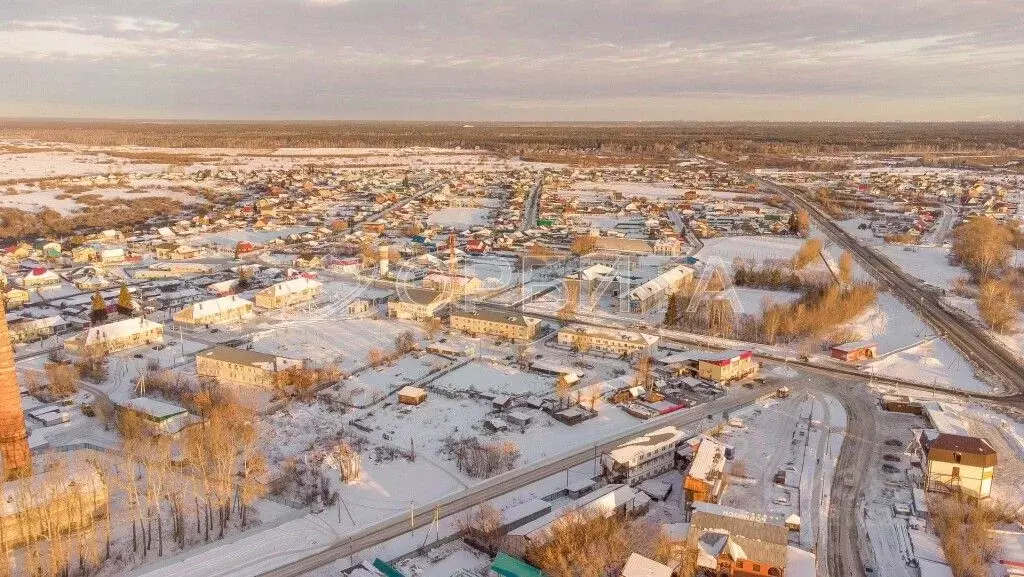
x: 507, y: 566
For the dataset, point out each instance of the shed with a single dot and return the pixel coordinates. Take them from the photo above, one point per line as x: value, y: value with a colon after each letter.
x: 411, y: 395
x: 519, y: 418
x: 577, y: 489
x: 855, y: 351
x: 496, y: 425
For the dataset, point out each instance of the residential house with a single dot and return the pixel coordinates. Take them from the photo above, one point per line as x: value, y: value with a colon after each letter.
x: 668, y: 247
x: 606, y: 340
x: 642, y: 458
x: 607, y: 501
x: 171, y: 251
x: 117, y: 336
x: 416, y: 304
x: 959, y: 464
x: 705, y: 478
x: 29, y: 330
x: 455, y: 284
x: 40, y: 277
x: 84, y: 253
x: 226, y: 309
x: 495, y: 323
x: 231, y: 365
x: 734, y: 543
x: 288, y: 293
x: 112, y: 255
x: 15, y: 297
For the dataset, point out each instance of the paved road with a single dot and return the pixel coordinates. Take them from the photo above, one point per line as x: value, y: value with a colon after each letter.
x: 842, y: 552
x: 508, y: 482
x: 973, y: 341
x: 531, y: 206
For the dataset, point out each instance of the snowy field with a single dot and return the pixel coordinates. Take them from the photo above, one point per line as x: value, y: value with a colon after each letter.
x: 654, y: 190
x: 495, y: 378
x: 459, y: 217
x: 344, y: 343
x: 229, y: 238
x: 37, y: 200
x: 756, y: 248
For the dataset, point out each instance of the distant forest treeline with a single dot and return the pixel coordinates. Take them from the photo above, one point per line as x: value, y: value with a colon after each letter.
x: 540, y: 139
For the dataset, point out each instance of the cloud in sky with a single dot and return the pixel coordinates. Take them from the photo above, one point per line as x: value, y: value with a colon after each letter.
x: 514, y: 59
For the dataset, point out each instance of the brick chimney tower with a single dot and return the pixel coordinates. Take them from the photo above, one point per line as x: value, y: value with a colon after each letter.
x: 17, y: 461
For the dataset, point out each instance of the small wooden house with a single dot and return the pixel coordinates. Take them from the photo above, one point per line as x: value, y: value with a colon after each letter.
x: 411, y: 395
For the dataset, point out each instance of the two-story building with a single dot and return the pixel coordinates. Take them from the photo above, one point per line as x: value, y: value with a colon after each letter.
x: 290, y: 292
x: 495, y: 323
x: 226, y: 309
x: 642, y: 458
x: 608, y: 341
x: 231, y: 365
x: 416, y: 303
x: 117, y: 336
x: 959, y: 464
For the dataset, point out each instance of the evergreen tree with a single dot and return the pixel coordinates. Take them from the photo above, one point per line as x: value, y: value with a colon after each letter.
x: 672, y: 311
x: 99, y: 308
x: 125, y: 304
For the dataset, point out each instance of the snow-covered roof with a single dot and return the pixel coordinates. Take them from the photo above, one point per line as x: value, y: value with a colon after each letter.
x: 633, y: 449
x: 156, y: 410
x: 709, y: 460
x: 613, y: 334
x: 295, y: 285
x: 661, y: 283
x: 639, y: 566
x: 213, y: 307
x: 119, y: 329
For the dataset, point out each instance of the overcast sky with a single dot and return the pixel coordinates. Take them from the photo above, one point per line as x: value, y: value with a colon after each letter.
x: 514, y: 59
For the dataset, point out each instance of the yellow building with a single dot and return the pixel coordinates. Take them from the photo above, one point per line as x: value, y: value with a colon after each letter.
x: 230, y: 365
x: 229, y: 309
x: 117, y: 336
x: 610, y: 341
x: 727, y: 366
x: 288, y: 293
x: 514, y: 327
x: 416, y: 304
x: 84, y: 254
x: 959, y: 464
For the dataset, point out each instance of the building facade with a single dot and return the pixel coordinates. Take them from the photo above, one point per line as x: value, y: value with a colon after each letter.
x: 231, y: 365
x: 727, y: 366
x: 960, y: 464
x: 119, y: 336
x: 290, y: 292
x: 513, y: 327
x: 612, y: 342
x: 227, y: 309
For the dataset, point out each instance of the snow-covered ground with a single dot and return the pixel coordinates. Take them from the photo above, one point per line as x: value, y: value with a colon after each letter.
x: 459, y: 217
x: 756, y: 248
